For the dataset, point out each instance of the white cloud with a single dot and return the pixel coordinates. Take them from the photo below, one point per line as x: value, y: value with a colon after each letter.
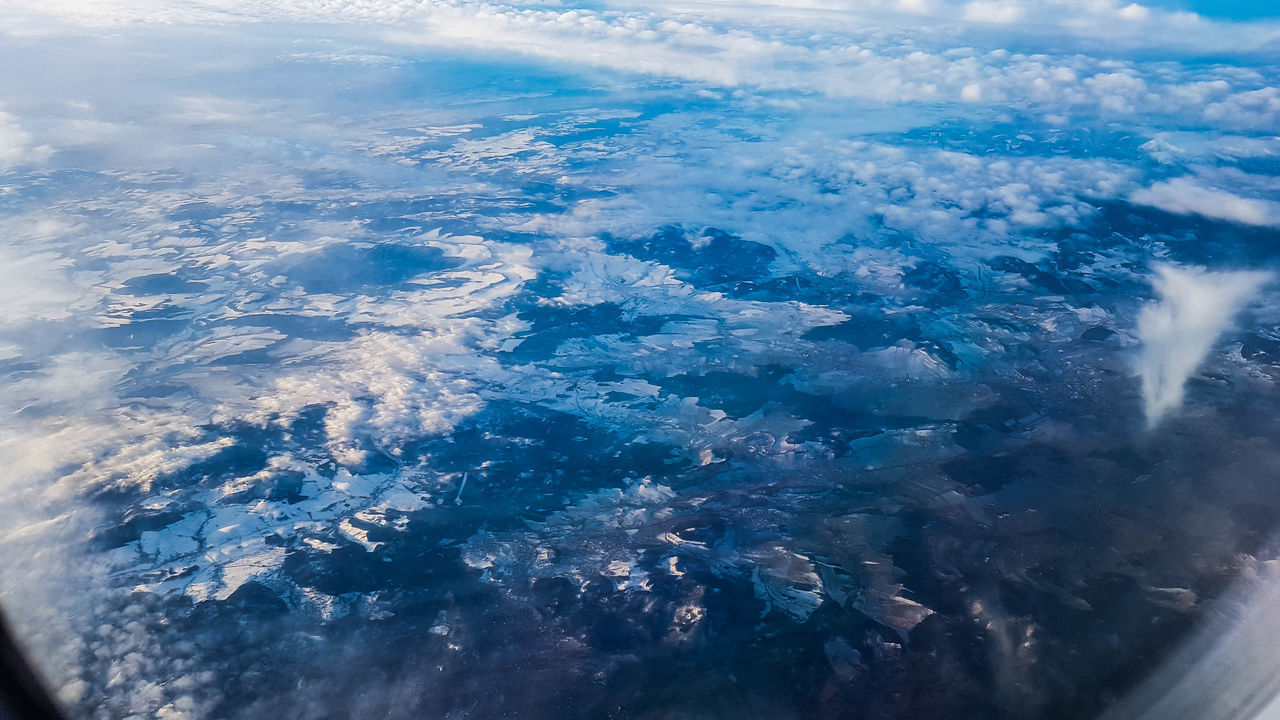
x: 381, y: 389
x: 37, y: 286
x: 845, y: 50
x: 1177, y: 333
x: 1099, y: 17
x: 1134, y: 11
x: 1201, y: 147
x: 1185, y: 196
x: 1253, y: 110
x: 993, y: 11
x: 17, y: 147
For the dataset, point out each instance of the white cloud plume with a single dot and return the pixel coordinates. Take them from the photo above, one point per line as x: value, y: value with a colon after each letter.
x: 1195, y: 307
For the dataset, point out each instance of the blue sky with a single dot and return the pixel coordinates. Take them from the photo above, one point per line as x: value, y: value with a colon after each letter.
x: 1225, y: 9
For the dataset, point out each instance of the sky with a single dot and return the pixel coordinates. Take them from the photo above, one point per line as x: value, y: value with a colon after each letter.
x: 1226, y: 10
